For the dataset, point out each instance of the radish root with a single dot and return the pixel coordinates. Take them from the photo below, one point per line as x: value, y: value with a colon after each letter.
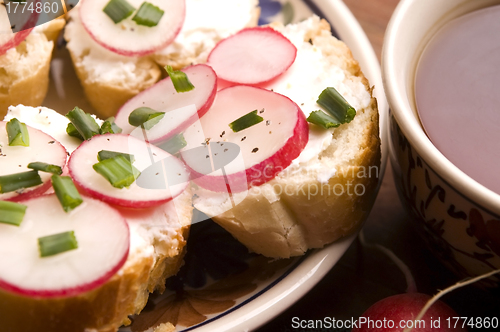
x: 459, y: 284
x: 410, y: 281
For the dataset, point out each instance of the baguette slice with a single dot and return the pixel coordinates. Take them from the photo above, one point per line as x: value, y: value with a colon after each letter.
x: 317, y: 201
x: 106, y: 308
x: 109, y: 79
x: 24, y: 70
x: 157, y: 248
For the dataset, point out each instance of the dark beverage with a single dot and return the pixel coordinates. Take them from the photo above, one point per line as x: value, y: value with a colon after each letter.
x: 457, y: 91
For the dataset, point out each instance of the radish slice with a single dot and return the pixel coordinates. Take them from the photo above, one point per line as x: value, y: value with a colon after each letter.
x: 265, y: 148
x: 15, y: 28
x: 181, y: 108
x: 15, y: 159
x: 252, y: 56
x: 103, y: 243
x: 169, y: 171
x: 127, y: 37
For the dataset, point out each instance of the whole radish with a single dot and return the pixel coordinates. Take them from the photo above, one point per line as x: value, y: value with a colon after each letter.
x: 411, y: 311
x: 399, y: 312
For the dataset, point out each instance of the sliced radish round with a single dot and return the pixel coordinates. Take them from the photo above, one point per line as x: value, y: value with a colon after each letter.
x: 181, y: 108
x: 252, y: 56
x: 16, y: 27
x: 15, y: 159
x: 235, y: 161
x: 103, y: 243
x: 127, y: 37
x: 162, y: 175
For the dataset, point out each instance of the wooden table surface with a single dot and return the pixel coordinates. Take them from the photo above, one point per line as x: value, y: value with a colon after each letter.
x: 364, y: 276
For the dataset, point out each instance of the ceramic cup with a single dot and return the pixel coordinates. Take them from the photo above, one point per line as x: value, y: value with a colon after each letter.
x: 458, y: 218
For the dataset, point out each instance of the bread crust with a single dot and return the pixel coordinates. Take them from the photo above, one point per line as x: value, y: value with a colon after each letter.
x: 24, y: 71
x: 296, y: 211
x: 106, y: 308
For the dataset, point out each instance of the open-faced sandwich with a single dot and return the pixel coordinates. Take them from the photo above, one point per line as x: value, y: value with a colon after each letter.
x: 25, y: 54
x: 82, y: 261
x: 118, y: 47
x: 298, y: 186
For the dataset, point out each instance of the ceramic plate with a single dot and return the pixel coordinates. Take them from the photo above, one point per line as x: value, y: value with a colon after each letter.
x: 223, y: 288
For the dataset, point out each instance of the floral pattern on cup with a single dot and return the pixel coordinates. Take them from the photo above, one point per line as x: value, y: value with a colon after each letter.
x: 462, y: 234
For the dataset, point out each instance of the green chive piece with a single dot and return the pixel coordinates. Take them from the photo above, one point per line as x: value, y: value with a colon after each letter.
x: 71, y: 131
x: 17, y: 133
x: 84, y: 123
x: 179, y: 79
x: 66, y: 192
x: 148, y: 15
x: 118, y: 171
x: 110, y: 127
x: 44, y: 167
x: 174, y: 144
x: 106, y: 154
x: 118, y: 10
x: 57, y: 243
x: 333, y: 102
x: 322, y: 119
x: 145, y: 117
x: 246, y: 121
x: 18, y: 181
x: 11, y: 213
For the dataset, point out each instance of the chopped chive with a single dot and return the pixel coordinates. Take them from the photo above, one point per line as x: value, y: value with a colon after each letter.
x: 118, y: 10
x: 179, y: 79
x: 13, y: 182
x: 84, y: 123
x: 17, y: 133
x: 145, y: 117
x: 246, y: 121
x: 174, y: 144
x: 105, y: 154
x: 118, y: 171
x: 333, y: 102
x: 66, y: 192
x: 11, y: 213
x: 57, y: 243
x: 110, y: 127
x: 44, y: 167
x: 148, y: 15
x: 71, y: 131
x: 322, y: 119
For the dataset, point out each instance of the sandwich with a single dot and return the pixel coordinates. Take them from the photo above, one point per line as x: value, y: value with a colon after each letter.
x: 111, y: 75
x: 24, y: 61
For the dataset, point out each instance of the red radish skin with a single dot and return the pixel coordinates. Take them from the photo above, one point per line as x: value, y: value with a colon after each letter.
x: 181, y: 108
x: 266, y: 148
x: 15, y: 159
x: 128, y: 38
x: 252, y: 56
x: 103, y: 238
x: 404, y: 308
x: 86, y: 178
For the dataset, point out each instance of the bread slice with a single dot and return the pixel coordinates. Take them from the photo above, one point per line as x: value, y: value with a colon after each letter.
x: 109, y: 79
x: 24, y: 70
x: 315, y: 202
x: 106, y: 308
x: 157, y: 248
